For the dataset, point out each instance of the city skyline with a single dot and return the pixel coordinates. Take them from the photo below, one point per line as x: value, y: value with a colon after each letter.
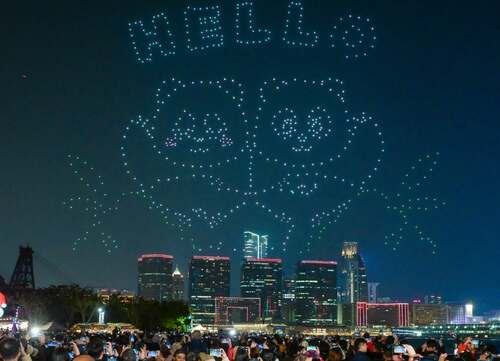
x: 314, y: 295
x: 126, y: 131
x: 350, y: 249
x: 319, y: 293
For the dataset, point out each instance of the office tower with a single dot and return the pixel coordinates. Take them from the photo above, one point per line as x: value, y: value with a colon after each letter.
x: 457, y: 313
x: 254, y: 245
x: 352, y: 281
x: 346, y: 314
x: 288, y: 299
x: 372, y: 291
x: 262, y: 278
x: 177, y: 285
x: 316, y: 292
x: 209, y: 277
x: 155, y: 277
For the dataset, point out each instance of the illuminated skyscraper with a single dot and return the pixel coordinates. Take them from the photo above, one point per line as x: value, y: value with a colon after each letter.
x: 209, y: 277
x: 457, y: 313
x: 316, y: 292
x: 177, y: 285
x: 263, y: 278
x: 254, y: 245
x: 155, y: 277
x: 288, y: 299
x: 352, y: 282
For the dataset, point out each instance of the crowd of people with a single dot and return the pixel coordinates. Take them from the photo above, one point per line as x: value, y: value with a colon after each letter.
x: 125, y: 346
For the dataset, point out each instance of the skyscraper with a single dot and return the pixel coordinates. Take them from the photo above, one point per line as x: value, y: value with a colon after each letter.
x: 352, y: 281
x: 263, y: 278
x: 155, y: 277
x: 316, y: 292
x: 288, y: 299
x: 372, y: 291
x: 254, y: 245
x: 209, y: 277
x: 177, y: 285
x: 456, y: 313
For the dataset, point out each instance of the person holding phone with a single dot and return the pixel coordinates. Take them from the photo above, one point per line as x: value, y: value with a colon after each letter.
x: 215, y: 352
x: 242, y: 354
x: 465, y: 346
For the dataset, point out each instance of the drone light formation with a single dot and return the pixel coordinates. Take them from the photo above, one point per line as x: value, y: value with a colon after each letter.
x: 207, y: 19
x: 297, y: 178
x: 148, y: 40
x: 293, y: 146
x: 255, y: 35
x: 404, y: 204
x: 352, y: 35
x: 355, y: 35
x: 294, y: 33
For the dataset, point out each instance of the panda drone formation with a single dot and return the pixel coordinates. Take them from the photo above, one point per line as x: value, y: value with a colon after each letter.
x: 203, y: 133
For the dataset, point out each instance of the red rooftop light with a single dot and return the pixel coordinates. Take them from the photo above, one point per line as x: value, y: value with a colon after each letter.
x: 318, y: 262
x: 212, y: 258
x: 155, y: 255
x: 270, y: 260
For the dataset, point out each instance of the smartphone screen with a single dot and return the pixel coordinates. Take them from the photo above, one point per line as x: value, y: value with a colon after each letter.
x: 399, y: 349
x: 216, y: 352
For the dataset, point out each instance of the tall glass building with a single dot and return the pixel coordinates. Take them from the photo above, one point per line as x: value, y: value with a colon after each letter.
x: 352, y: 281
x: 155, y: 277
x: 288, y: 299
x: 316, y: 293
x: 263, y: 278
x: 177, y: 285
x: 209, y: 277
x: 254, y: 245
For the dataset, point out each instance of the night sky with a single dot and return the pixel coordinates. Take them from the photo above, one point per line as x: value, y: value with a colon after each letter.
x: 72, y: 85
